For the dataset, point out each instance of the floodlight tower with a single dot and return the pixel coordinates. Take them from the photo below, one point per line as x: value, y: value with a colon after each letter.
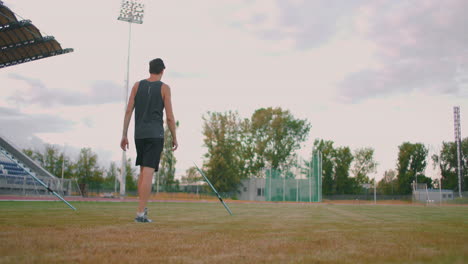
x: 131, y: 11
x: 456, y: 115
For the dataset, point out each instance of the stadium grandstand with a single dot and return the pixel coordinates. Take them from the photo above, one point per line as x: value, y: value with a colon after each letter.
x: 18, y: 173
x: 21, y: 41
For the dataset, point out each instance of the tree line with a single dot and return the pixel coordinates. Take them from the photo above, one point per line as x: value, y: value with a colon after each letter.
x: 238, y: 148
x: 413, y: 159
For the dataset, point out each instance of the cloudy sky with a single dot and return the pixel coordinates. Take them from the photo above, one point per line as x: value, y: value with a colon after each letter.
x: 369, y: 73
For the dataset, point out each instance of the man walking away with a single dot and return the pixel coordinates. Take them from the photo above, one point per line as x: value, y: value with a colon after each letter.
x: 149, y: 98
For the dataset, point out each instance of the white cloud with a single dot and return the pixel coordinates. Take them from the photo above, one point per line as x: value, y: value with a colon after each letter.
x: 421, y: 47
x: 37, y: 93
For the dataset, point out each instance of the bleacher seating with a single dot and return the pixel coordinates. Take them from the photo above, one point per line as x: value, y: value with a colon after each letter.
x: 12, y: 174
x: 21, y: 175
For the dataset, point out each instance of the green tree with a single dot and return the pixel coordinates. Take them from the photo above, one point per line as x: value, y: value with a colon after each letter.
x: 112, y: 175
x: 363, y: 165
x: 328, y: 164
x: 225, y: 166
x: 238, y: 148
x: 276, y: 134
x: 52, y: 160
x: 130, y: 177
x: 70, y: 168
x: 411, y: 164
x: 88, y: 172
x: 29, y: 152
x: 342, y: 160
x: 245, y: 148
x: 447, y: 160
x: 388, y: 183
x: 191, y: 176
x: 168, y: 162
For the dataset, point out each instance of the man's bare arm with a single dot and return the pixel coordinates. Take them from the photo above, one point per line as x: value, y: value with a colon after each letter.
x: 128, y: 117
x: 170, y: 119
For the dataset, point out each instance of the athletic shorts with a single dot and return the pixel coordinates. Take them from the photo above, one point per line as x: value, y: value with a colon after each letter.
x: 149, y: 152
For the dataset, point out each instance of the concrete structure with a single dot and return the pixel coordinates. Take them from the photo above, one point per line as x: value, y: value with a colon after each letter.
x: 252, y: 189
x: 433, y: 195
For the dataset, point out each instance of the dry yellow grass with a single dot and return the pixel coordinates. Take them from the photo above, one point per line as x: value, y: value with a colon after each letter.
x: 99, y: 232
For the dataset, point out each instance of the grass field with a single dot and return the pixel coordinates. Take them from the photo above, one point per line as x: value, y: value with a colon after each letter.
x: 104, y: 232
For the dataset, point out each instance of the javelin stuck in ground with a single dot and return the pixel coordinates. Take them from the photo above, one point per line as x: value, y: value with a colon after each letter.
x: 214, y: 190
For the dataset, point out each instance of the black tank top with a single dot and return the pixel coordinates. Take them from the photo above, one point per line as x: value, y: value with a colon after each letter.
x: 149, y: 107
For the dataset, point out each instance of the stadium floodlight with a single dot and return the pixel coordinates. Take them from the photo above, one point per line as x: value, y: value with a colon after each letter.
x: 131, y: 11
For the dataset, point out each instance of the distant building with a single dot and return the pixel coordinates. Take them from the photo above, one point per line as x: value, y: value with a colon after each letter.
x: 432, y: 195
x: 252, y: 189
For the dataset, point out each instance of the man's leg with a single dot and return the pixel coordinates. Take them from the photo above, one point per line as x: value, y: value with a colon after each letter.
x: 140, y: 179
x: 144, y: 188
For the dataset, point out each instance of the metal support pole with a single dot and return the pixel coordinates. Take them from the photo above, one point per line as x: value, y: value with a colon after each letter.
x: 319, y: 175
x: 131, y: 12
x: 63, y: 168
x: 440, y: 189
x: 271, y: 178
x: 115, y: 184
x: 416, y: 182
x: 284, y: 187
x: 122, y: 175
x: 298, y: 176
x: 309, y: 172
x: 128, y: 61
x: 297, y: 190
x: 375, y: 193
x: 123, y: 172
x: 456, y: 113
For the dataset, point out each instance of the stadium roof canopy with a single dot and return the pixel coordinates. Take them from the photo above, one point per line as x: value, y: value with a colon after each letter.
x: 21, y: 41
